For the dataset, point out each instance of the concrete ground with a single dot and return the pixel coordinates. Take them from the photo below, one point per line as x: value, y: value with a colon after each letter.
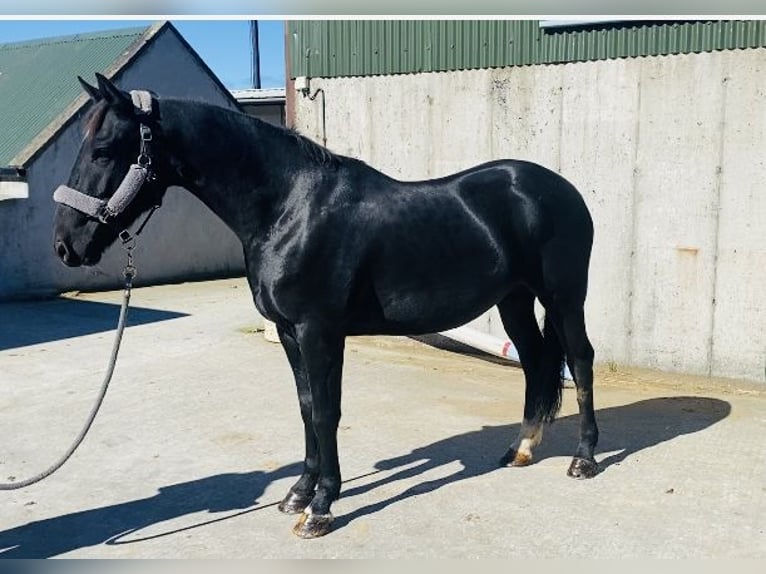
x: 200, y: 437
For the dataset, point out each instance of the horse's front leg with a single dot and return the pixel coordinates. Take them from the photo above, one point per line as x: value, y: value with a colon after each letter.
x: 322, y: 352
x: 302, y: 492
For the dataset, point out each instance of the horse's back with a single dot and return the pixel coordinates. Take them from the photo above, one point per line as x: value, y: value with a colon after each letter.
x: 436, y: 253
x: 513, y: 200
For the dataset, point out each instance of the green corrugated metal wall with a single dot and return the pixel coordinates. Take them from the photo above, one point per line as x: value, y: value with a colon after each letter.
x: 38, y: 80
x: 371, y: 47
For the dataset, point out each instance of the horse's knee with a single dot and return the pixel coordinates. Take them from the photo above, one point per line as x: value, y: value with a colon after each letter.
x: 325, y: 422
x: 306, y: 409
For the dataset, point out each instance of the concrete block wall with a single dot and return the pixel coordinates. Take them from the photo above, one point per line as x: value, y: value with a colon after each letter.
x: 668, y: 153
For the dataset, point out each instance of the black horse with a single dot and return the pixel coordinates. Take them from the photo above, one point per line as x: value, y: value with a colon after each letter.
x: 335, y: 248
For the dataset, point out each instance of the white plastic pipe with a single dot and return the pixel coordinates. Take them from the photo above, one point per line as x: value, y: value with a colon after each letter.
x: 489, y: 344
x: 483, y: 342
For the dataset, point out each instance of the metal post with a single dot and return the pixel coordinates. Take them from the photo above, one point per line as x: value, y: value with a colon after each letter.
x: 256, y: 71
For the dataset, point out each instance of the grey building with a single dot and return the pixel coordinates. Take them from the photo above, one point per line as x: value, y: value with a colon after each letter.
x: 41, y: 105
x: 267, y: 104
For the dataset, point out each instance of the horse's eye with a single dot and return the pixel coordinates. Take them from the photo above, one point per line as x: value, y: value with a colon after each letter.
x: 101, y: 155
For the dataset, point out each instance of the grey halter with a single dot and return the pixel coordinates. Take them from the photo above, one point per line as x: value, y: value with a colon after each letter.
x: 106, y: 210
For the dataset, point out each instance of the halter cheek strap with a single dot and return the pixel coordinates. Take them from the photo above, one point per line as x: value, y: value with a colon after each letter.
x: 106, y: 210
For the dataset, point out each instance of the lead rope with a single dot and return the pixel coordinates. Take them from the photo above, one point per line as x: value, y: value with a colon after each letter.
x: 129, y: 243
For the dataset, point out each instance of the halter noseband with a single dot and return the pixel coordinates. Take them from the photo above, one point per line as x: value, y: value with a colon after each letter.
x: 107, y: 210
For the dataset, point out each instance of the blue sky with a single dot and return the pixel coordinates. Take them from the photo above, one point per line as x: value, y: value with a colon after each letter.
x: 223, y: 44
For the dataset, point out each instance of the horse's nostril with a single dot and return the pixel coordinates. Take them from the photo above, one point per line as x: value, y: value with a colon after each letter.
x: 66, y: 254
x: 61, y: 250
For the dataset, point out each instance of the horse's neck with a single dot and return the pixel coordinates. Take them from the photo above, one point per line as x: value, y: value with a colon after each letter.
x: 227, y: 164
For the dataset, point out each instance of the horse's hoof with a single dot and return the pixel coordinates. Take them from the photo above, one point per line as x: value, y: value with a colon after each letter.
x: 295, y: 503
x: 313, y: 525
x: 582, y: 468
x: 515, y: 458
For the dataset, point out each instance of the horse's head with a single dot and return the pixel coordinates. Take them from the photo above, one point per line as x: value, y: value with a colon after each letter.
x: 117, y: 176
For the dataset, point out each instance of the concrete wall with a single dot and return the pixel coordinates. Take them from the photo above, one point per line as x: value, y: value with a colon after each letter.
x: 184, y: 239
x: 668, y: 153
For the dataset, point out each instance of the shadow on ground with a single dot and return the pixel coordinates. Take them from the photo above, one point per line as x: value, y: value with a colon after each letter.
x: 215, y: 494
x: 33, y: 322
x: 625, y: 430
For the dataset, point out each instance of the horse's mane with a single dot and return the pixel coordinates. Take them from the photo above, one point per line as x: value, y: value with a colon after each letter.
x: 313, y: 150
x: 310, y: 149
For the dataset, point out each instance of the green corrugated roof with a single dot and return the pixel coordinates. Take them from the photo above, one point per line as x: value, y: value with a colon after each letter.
x: 38, y: 80
x: 369, y: 47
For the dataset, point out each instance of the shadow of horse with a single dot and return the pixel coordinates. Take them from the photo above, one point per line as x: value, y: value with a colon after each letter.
x: 214, y: 494
x: 625, y: 430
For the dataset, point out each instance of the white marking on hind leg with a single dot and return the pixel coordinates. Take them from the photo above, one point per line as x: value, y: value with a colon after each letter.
x: 530, y: 435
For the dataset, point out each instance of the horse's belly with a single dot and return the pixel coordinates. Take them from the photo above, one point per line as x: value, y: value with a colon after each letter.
x: 418, y: 311
x: 447, y: 273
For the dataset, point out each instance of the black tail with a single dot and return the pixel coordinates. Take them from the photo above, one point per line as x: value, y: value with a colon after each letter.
x: 550, y: 377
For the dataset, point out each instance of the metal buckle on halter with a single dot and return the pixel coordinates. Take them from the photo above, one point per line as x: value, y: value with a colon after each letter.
x: 144, y: 158
x: 126, y: 238
x: 106, y: 215
x: 129, y: 243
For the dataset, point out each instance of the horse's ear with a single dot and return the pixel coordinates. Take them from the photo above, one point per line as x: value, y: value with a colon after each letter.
x: 115, y: 97
x: 92, y: 91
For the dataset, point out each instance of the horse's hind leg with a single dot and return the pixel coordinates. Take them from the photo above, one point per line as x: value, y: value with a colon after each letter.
x: 302, y: 492
x: 541, y: 356
x: 571, y: 324
x: 564, y: 262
